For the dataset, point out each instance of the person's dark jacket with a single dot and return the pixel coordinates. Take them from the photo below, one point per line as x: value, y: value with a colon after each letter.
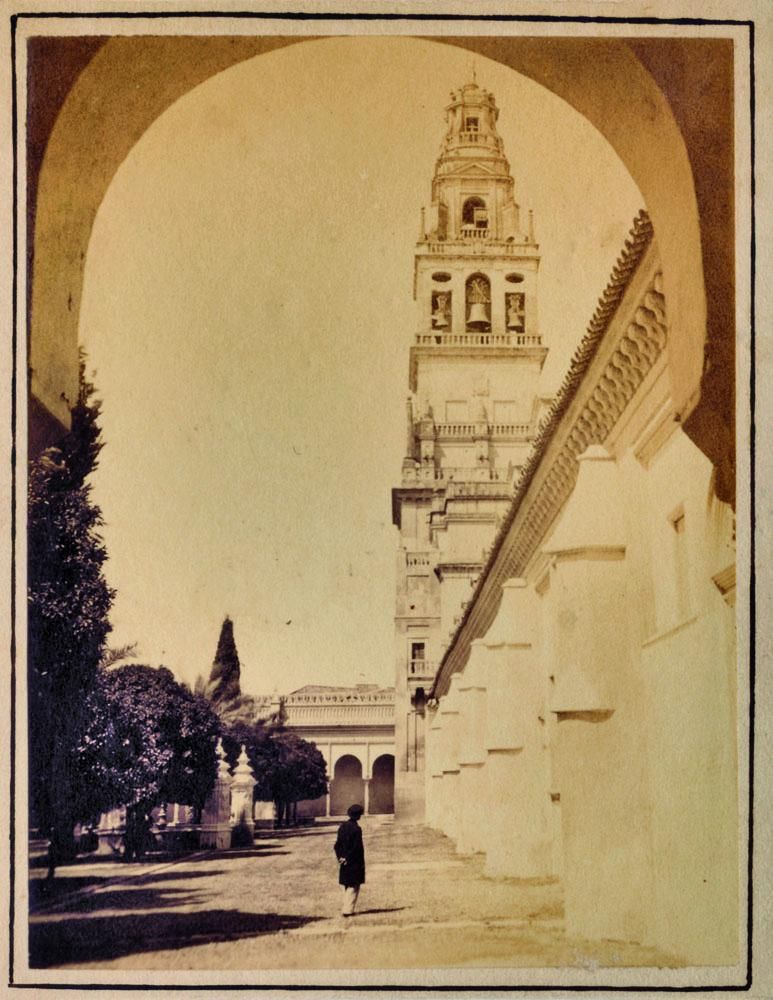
x: 348, y: 847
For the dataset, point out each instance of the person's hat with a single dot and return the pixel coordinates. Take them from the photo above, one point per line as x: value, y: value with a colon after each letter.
x: 354, y: 812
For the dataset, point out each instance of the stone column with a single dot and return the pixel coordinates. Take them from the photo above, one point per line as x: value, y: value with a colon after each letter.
x: 518, y: 816
x: 242, y: 785
x: 216, y: 815
x: 366, y: 795
x: 472, y: 752
x: 458, y: 304
x: 450, y: 806
x: 498, y: 316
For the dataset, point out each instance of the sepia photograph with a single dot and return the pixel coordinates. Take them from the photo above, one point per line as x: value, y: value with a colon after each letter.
x: 381, y: 540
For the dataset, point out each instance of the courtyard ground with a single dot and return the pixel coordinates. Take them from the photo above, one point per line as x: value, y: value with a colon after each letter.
x: 276, y: 906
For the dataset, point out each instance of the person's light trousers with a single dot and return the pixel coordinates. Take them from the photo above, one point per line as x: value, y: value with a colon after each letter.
x: 351, y: 892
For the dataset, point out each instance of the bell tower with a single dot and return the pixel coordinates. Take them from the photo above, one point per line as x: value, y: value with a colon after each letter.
x: 475, y: 361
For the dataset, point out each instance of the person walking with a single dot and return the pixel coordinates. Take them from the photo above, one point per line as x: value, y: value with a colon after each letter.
x: 351, y: 858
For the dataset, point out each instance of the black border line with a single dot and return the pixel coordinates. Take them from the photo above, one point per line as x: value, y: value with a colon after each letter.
x: 333, y: 987
x: 752, y: 508
x: 371, y: 16
x: 14, y: 417
x: 343, y: 16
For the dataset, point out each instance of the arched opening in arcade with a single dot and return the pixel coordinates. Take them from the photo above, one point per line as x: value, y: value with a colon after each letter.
x: 381, y: 799
x: 347, y: 786
x: 120, y: 86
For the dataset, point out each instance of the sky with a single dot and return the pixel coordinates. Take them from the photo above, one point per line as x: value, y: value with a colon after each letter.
x: 248, y: 313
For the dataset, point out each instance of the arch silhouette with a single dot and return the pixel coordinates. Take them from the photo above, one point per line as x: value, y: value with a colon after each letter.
x: 347, y: 786
x: 468, y: 209
x: 382, y: 785
x: 91, y: 102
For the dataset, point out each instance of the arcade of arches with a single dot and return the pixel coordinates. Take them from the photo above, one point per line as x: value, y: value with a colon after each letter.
x: 348, y: 786
x: 354, y: 730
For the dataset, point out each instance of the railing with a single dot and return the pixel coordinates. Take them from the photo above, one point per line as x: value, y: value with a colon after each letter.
x: 459, y: 247
x: 417, y: 560
x: 421, y: 668
x: 455, y: 430
x: 467, y: 431
x: 498, y: 489
x: 475, y: 233
x: 475, y: 474
x: 511, y: 430
x: 476, y: 138
x: 438, y: 339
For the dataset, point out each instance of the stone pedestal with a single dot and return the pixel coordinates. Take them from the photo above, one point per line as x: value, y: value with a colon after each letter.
x: 216, y: 815
x: 242, y: 785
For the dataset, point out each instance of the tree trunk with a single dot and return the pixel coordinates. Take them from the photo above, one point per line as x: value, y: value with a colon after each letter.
x: 61, y: 845
x: 137, y: 833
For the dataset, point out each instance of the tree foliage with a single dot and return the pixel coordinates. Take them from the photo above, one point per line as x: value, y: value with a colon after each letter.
x: 150, y: 741
x: 287, y: 768
x: 224, y: 678
x: 68, y: 606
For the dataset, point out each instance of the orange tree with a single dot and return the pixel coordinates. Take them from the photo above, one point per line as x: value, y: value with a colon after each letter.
x: 287, y: 768
x: 150, y: 741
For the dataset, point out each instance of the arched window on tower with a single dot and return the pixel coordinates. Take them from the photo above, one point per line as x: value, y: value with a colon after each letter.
x: 478, y: 303
x: 474, y: 217
x: 441, y: 311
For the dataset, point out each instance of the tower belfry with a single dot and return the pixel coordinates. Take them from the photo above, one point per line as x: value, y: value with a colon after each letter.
x: 475, y: 361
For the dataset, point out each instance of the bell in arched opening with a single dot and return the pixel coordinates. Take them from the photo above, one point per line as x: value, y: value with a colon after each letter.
x: 441, y: 310
x: 478, y: 303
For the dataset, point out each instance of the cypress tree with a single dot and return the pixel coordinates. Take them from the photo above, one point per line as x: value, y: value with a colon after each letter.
x: 224, y: 677
x: 68, y: 603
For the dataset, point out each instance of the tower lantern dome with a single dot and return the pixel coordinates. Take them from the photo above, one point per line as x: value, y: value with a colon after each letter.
x: 471, y: 117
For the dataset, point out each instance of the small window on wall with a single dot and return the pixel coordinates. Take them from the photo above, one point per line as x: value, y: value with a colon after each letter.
x: 441, y: 310
x: 418, y: 658
x: 471, y: 124
x: 474, y: 214
x: 515, y: 311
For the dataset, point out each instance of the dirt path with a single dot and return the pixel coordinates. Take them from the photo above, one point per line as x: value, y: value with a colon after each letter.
x: 277, y: 907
